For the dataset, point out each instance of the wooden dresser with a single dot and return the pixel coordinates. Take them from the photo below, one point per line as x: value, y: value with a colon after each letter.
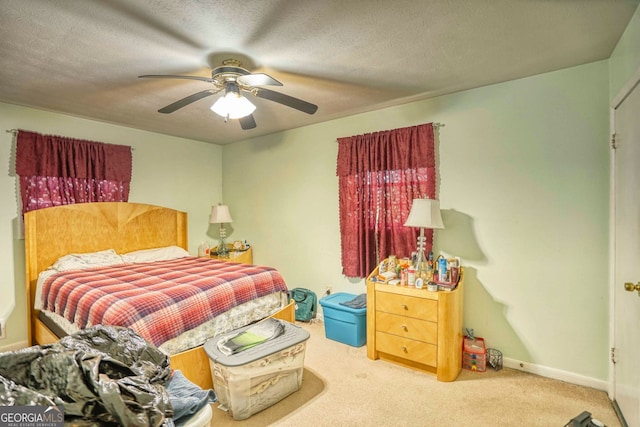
x: 415, y: 327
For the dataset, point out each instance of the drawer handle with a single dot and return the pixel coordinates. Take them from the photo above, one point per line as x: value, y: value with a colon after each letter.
x: 405, y: 306
x: 404, y: 349
x: 404, y: 328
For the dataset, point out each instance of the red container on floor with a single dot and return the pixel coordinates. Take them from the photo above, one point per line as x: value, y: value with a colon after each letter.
x: 474, y: 355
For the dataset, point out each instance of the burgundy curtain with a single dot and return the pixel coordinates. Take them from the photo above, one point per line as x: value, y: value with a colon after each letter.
x: 379, y: 175
x: 56, y: 170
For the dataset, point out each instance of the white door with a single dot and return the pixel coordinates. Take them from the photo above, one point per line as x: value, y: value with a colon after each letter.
x: 626, y: 305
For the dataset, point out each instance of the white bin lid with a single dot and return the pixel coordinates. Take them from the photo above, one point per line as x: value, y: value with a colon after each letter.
x: 202, y: 418
x: 292, y: 335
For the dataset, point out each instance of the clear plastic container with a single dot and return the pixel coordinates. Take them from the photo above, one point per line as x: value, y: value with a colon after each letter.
x: 254, y: 379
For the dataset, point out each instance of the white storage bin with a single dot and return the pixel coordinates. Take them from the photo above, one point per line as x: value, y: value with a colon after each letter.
x: 254, y: 379
x: 202, y: 418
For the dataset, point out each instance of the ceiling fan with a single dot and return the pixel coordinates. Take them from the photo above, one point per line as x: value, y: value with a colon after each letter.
x: 231, y: 78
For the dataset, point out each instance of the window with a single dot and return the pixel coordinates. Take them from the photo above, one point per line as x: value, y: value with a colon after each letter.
x: 57, y: 170
x: 379, y: 175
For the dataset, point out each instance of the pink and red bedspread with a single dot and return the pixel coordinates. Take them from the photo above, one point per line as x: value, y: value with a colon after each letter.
x: 159, y: 300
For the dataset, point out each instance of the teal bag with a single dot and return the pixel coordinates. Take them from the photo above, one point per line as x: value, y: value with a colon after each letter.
x: 306, y: 303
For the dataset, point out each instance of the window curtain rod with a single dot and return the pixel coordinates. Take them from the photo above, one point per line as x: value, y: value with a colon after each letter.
x: 436, y: 125
x: 15, y: 132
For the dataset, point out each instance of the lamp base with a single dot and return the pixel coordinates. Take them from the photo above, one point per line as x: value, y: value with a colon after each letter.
x: 223, y: 250
x: 423, y: 269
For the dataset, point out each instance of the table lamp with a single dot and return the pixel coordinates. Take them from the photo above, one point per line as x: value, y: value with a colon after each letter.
x: 220, y: 215
x: 425, y: 213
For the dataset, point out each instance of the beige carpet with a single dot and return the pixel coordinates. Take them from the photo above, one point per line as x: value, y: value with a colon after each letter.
x: 341, y: 387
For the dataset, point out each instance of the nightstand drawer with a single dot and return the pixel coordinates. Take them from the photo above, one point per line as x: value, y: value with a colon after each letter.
x: 407, y: 327
x: 402, y: 305
x: 405, y: 348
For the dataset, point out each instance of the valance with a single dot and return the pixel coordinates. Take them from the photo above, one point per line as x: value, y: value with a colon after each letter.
x: 50, y: 155
x: 398, y: 149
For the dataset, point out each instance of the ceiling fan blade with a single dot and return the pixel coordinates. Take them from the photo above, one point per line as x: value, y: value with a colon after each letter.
x: 258, y: 79
x: 170, y: 76
x: 187, y: 100
x: 247, y: 122
x: 289, y: 101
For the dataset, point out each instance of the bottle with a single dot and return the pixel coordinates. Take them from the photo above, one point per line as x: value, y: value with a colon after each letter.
x: 442, y: 269
x: 411, y: 276
x: 204, y: 250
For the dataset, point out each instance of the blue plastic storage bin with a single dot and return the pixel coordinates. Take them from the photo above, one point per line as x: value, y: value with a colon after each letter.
x: 341, y: 323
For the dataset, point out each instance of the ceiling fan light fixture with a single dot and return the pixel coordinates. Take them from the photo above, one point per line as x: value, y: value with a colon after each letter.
x: 233, y: 105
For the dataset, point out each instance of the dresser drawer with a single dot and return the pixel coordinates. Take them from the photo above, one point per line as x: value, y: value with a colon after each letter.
x: 407, y: 327
x: 416, y: 351
x: 419, y: 308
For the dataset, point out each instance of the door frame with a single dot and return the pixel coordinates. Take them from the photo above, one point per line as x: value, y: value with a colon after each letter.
x: 622, y: 94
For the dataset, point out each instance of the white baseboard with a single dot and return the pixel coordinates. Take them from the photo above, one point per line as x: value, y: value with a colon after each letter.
x: 13, y: 347
x: 543, y: 371
x: 556, y: 374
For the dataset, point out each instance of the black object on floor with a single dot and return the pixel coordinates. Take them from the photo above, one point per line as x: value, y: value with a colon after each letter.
x: 584, y: 420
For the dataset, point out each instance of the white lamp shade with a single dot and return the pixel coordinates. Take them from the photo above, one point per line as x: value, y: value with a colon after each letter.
x: 233, y: 105
x: 220, y: 214
x: 425, y: 213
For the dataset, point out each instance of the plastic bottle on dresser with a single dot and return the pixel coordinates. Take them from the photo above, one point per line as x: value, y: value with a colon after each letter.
x: 411, y: 276
x: 442, y: 269
x: 203, y: 249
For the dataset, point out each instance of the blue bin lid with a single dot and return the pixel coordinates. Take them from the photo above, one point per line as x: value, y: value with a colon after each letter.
x: 334, y: 301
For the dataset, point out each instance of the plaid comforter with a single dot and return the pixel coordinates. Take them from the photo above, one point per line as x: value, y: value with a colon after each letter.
x: 159, y: 300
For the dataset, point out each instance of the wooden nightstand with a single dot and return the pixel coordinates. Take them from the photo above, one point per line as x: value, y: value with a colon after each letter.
x: 245, y: 256
x: 415, y: 327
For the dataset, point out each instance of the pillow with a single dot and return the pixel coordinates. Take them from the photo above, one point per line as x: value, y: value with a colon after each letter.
x: 87, y: 260
x: 157, y: 254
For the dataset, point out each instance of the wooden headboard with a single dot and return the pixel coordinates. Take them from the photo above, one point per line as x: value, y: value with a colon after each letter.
x: 89, y: 227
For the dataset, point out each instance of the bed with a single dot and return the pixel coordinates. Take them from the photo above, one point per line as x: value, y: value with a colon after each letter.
x: 51, y: 233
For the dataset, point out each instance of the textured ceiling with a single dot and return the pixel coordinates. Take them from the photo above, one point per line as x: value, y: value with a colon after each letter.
x: 82, y: 58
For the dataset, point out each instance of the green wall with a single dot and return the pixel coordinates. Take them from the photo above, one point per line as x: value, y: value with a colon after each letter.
x: 524, y: 170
